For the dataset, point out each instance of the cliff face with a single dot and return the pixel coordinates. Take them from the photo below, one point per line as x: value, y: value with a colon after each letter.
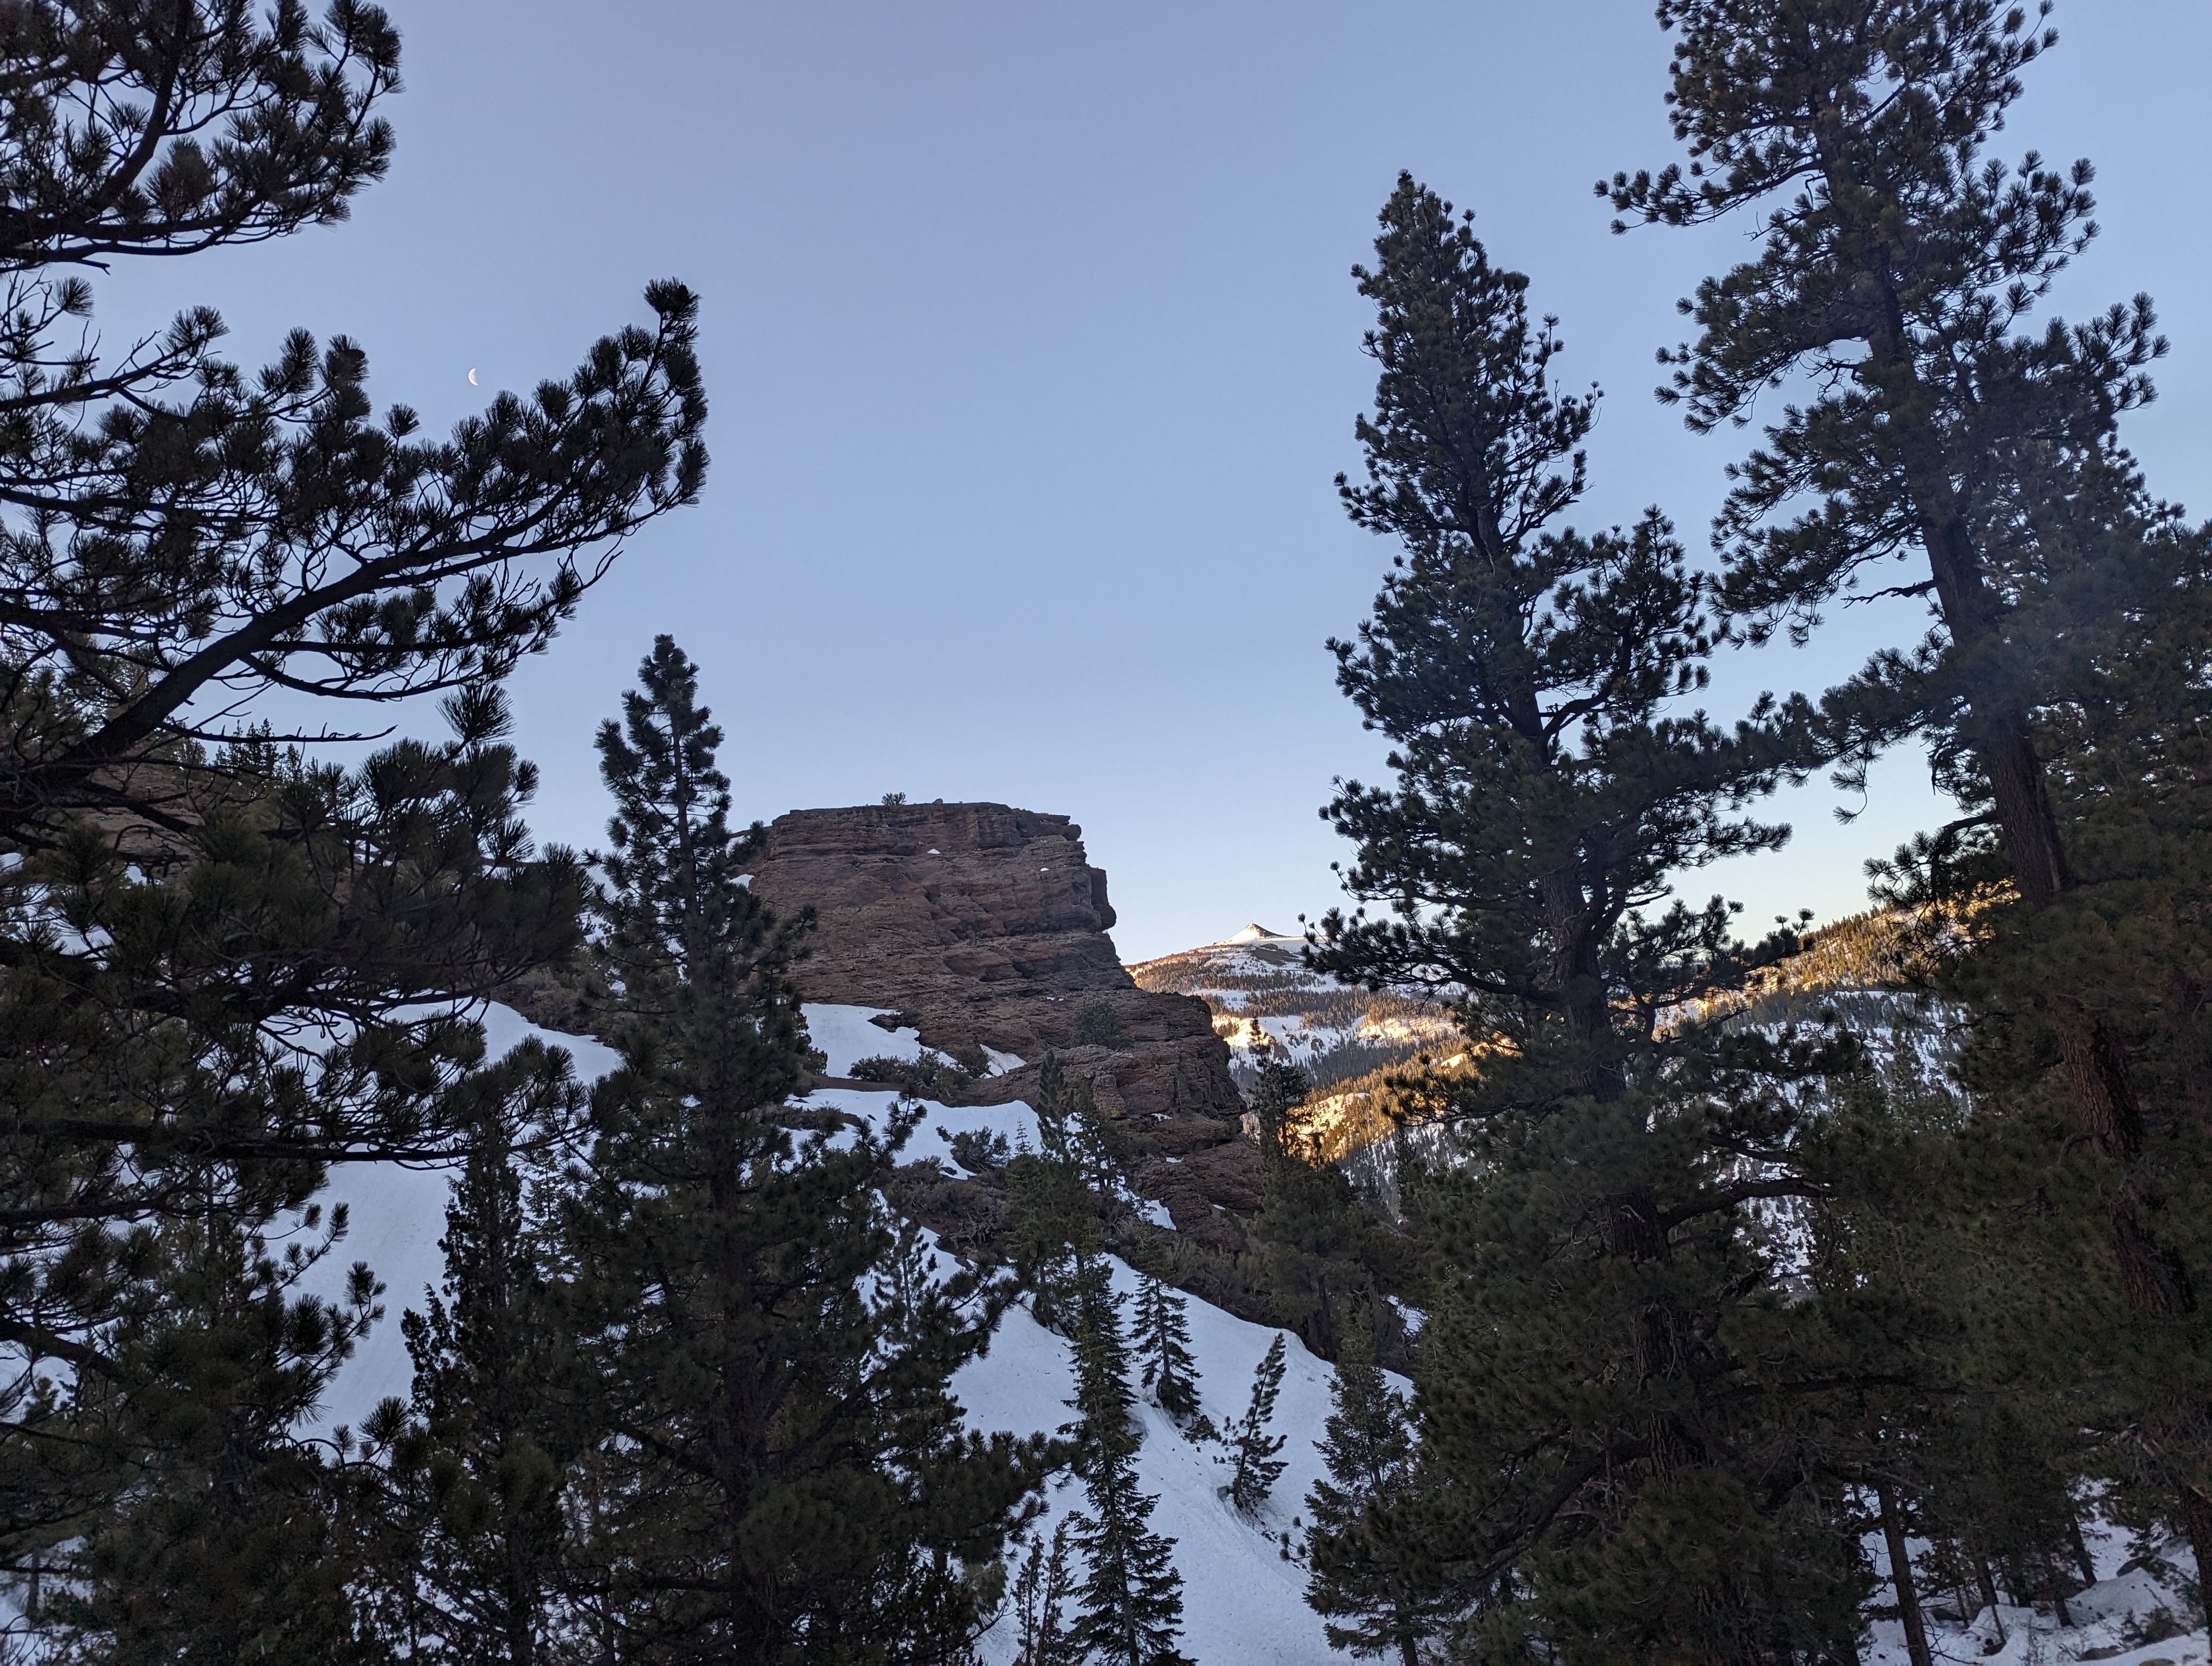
x: 983, y: 923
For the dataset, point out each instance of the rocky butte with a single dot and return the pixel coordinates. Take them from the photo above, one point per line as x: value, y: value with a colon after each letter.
x: 983, y: 924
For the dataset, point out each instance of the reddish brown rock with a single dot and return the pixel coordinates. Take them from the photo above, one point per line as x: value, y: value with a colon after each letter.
x: 985, y: 924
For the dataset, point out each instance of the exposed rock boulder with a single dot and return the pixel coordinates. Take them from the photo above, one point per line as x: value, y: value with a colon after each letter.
x: 986, y: 925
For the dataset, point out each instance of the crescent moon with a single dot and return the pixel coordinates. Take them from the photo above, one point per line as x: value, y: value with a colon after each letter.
x: 472, y: 376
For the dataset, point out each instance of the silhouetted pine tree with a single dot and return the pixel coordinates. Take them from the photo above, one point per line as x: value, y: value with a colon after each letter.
x: 1367, y: 1446
x: 1040, y: 1601
x: 481, y: 1474
x: 1899, y: 267
x: 1131, y: 1609
x: 240, y: 1538
x: 783, y: 1475
x: 1254, y: 1469
x: 1162, y: 1342
x: 1603, y: 1474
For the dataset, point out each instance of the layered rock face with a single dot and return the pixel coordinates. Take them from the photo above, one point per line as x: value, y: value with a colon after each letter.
x: 981, y: 923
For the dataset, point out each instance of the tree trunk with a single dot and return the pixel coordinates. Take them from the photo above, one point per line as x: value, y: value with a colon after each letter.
x: 2103, y: 1102
x: 1989, y: 1595
x: 2152, y: 1276
x: 1900, y: 1576
x: 2089, y: 1563
x: 521, y: 1594
x: 1582, y: 992
x: 1409, y: 1653
x: 2196, y: 1516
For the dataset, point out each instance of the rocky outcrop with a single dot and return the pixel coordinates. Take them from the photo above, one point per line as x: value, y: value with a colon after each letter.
x: 983, y: 924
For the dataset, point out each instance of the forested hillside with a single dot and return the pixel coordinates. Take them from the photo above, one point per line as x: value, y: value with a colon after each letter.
x: 1264, y: 998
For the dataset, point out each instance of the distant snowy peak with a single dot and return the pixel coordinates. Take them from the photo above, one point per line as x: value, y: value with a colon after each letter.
x: 1261, y: 992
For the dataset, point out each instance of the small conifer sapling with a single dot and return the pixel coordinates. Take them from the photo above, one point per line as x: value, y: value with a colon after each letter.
x: 1367, y: 1446
x: 1164, y: 1346
x: 1254, y: 1466
x: 1039, y: 1599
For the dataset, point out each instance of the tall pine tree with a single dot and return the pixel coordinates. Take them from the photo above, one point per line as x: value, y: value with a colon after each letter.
x: 482, y: 1475
x: 1129, y: 1611
x: 1522, y: 674
x: 783, y: 1475
x: 1602, y: 1468
x: 1900, y: 265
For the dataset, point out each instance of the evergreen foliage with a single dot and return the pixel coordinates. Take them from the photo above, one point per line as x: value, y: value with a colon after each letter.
x: 1254, y: 1469
x: 1613, y: 1398
x: 1058, y: 1196
x: 1130, y: 1607
x: 1367, y: 1446
x: 1323, y: 1251
x: 1040, y: 1598
x: 194, y: 912
x: 1163, y: 1340
x: 398, y: 879
x: 1098, y: 1025
x: 237, y: 1537
x: 1900, y: 265
x: 1522, y: 673
x: 780, y: 1471
x: 483, y: 1474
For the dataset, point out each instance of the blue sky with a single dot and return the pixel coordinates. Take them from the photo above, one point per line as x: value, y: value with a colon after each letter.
x: 1033, y: 352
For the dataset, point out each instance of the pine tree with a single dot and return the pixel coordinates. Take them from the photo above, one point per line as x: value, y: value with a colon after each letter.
x: 482, y: 1473
x: 1544, y: 792
x: 1367, y: 1445
x: 1254, y: 1469
x: 1940, y: 427
x: 1323, y: 1249
x: 782, y: 1473
x: 1131, y: 1608
x: 1162, y: 1338
x: 1605, y: 1476
x: 1053, y: 1214
x: 1039, y: 1599
x: 237, y: 1537
x: 1900, y: 265
x: 188, y: 897
x: 329, y: 882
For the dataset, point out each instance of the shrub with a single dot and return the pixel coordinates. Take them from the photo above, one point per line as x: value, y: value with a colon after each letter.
x: 979, y: 1152
x: 1098, y: 1025
x: 930, y: 1076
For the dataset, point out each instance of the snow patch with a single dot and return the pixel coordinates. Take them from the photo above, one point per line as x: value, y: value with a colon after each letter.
x: 1244, y: 1603
x: 396, y: 1214
x: 846, y: 1034
x: 1256, y: 933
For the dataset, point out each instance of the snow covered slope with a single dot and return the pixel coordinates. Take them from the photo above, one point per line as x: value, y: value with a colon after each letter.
x: 1243, y: 1597
x: 1243, y: 1603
